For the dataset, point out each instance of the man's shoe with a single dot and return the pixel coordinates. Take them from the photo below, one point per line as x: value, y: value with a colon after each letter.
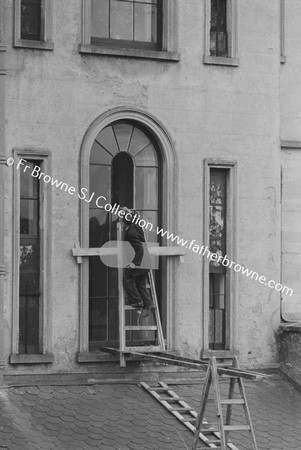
x: 147, y: 310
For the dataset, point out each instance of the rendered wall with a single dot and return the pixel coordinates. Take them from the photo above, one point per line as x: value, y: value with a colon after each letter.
x: 210, y: 111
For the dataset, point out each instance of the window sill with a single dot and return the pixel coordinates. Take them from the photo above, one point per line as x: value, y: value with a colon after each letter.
x: 31, y: 359
x: 220, y: 61
x: 106, y: 50
x: 35, y: 45
x: 219, y: 353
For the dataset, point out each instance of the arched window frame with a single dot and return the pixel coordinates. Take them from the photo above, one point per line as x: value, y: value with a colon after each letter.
x: 169, y: 217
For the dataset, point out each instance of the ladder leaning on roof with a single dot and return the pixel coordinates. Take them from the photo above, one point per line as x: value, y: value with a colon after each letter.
x: 123, y: 327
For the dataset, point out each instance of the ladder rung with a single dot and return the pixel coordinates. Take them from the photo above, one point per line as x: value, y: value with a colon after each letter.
x: 140, y: 328
x: 207, y: 448
x: 130, y: 308
x: 237, y: 427
x: 233, y: 401
x: 180, y: 408
x: 158, y: 389
x: 170, y: 399
x: 210, y: 430
x: 189, y: 419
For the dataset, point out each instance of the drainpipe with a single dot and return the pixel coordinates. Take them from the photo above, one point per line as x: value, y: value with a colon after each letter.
x: 2, y: 187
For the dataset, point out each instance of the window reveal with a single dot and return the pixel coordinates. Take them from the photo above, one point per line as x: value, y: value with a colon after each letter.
x: 29, y: 281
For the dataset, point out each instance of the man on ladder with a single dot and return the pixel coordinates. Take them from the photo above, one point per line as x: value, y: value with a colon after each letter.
x: 135, y: 279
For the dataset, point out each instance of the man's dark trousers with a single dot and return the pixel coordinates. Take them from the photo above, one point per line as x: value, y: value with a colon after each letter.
x: 134, y: 283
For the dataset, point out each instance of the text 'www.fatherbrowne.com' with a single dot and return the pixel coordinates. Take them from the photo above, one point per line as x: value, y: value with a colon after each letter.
x: 101, y: 203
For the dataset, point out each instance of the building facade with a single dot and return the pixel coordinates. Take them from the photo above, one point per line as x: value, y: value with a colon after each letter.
x: 187, y: 111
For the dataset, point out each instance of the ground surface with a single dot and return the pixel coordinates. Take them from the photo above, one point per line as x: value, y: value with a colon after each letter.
x: 123, y: 416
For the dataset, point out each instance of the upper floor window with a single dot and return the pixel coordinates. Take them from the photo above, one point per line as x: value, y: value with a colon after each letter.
x: 221, y: 32
x: 31, y: 19
x: 33, y: 24
x: 133, y: 23
x: 132, y: 28
x: 218, y: 28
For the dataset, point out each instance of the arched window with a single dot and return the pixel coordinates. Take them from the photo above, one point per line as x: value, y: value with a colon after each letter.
x: 124, y: 168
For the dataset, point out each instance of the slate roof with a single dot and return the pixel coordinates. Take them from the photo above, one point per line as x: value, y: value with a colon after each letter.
x: 124, y: 416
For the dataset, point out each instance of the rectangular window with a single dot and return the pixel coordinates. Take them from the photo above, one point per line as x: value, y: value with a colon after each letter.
x: 218, y: 29
x: 133, y: 23
x: 31, y: 321
x: 221, y: 32
x: 29, y: 274
x: 31, y: 19
x: 130, y: 28
x: 219, y: 289
x: 33, y: 24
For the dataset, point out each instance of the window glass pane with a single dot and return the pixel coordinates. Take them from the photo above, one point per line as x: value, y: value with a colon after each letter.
x: 107, y: 139
x: 31, y: 19
x: 99, y: 155
x: 218, y: 186
x: 222, y: 14
x: 138, y: 142
x: 123, y: 134
x: 147, y: 157
x: 145, y: 20
x: 150, y: 217
x: 99, y: 184
x: 145, y: 187
x: 98, y: 278
x: 121, y: 20
x: 29, y: 266
x: 213, y: 49
x: 222, y: 44
x: 29, y: 324
x: 217, y: 311
x: 100, y: 18
x: 113, y: 283
x: 113, y: 319
x: 99, y: 227
x: 28, y: 184
x: 98, y: 320
x: 122, y: 184
x: 29, y: 217
x: 214, y: 13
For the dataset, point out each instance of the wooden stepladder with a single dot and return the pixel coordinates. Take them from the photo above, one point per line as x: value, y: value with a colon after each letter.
x: 123, y: 327
x: 223, y: 426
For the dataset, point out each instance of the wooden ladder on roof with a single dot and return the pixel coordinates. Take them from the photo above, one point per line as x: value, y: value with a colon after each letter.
x: 206, y: 434
x: 223, y: 426
x: 123, y: 327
